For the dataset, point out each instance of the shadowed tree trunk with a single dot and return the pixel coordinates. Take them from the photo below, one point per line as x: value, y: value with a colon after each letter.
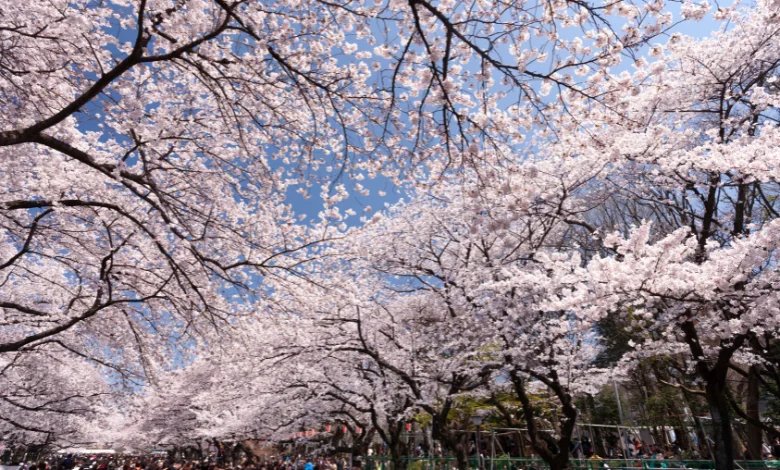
x: 752, y: 397
x: 554, y: 451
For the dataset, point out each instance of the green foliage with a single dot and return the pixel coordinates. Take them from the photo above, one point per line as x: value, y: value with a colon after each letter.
x: 503, y: 462
x: 417, y: 465
x: 466, y: 407
x: 662, y: 408
x: 614, y: 338
x: 600, y: 408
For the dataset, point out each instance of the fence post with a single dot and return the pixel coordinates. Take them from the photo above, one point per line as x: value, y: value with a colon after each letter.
x: 492, y: 447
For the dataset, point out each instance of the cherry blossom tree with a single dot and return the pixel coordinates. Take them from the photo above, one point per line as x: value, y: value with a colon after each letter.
x: 693, y: 147
x: 486, y: 270
x: 402, y: 368
x: 49, y: 396
x: 149, y: 146
x: 152, y: 152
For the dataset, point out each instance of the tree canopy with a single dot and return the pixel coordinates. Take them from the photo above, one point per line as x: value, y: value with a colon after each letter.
x: 580, y: 193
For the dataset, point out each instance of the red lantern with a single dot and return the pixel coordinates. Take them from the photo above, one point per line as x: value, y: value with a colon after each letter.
x: 408, y: 427
x: 327, y: 427
x: 344, y: 429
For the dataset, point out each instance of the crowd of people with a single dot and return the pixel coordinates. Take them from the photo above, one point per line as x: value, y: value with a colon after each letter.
x: 129, y: 462
x: 635, y: 454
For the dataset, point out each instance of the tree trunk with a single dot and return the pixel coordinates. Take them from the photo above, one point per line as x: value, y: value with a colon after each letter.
x: 397, y: 457
x: 720, y: 412
x: 461, y: 452
x: 716, y: 393
x: 452, y: 443
x: 555, y: 452
x: 361, y: 443
x: 754, y: 434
